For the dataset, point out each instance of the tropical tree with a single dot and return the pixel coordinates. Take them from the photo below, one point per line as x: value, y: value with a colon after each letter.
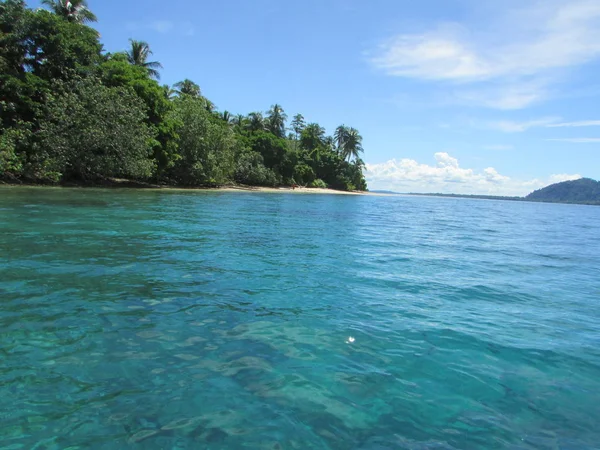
x: 138, y: 55
x: 298, y: 125
x: 276, y: 118
x: 239, y: 120
x: 256, y: 121
x: 208, y: 105
x: 72, y: 10
x: 170, y: 93
x: 68, y: 110
x: 353, y: 145
x: 329, y: 143
x: 111, y: 138
x: 341, y: 136
x: 206, y: 145
x: 227, y: 117
x: 313, y: 137
x: 349, y: 142
x: 187, y: 87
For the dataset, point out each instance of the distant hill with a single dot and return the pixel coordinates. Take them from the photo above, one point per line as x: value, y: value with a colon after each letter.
x: 584, y: 191
x: 384, y: 192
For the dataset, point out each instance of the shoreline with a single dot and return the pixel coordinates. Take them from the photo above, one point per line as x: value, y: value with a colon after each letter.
x: 128, y: 184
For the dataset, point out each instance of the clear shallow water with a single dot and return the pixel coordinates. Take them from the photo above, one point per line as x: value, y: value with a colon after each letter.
x: 185, y: 320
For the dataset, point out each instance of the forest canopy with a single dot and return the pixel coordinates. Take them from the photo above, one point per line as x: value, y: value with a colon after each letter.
x: 72, y: 112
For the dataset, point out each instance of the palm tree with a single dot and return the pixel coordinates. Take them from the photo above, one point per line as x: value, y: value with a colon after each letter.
x: 353, y: 145
x: 313, y: 138
x: 276, y: 118
x: 330, y: 143
x: 256, y: 121
x: 239, y: 120
x: 358, y: 162
x: 72, y: 10
x: 169, y: 92
x: 298, y: 125
x: 188, y: 87
x: 226, y: 116
x: 208, y: 105
x: 138, y: 55
x: 341, y: 136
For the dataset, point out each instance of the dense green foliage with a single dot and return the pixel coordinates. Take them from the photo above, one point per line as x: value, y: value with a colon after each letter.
x: 584, y: 191
x: 72, y: 112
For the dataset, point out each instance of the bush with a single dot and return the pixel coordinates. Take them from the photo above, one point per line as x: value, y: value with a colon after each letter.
x: 10, y: 161
x: 89, y: 130
x: 206, y: 145
x: 318, y: 183
x: 343, y: 183
x: 304, y: 174
x: 251, y: 170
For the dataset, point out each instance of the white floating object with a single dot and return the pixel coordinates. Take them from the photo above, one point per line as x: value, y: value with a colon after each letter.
x: 350, y: 340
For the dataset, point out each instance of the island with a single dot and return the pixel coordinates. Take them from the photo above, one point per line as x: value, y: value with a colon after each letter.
x: 583, y: 191
x: 74, y: 114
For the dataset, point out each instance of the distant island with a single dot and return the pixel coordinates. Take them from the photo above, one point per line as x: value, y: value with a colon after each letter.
x: 584, y: 191
x: 73, y: 114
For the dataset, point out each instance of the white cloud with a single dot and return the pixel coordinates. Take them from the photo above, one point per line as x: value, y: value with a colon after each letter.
x: 446, y: 176
x: 438, y: 54
x: 509, y: 126
x: 504, y: 95
x: 493, y: 176
x: 582, y: 123
x: 577, y: 140
x: 520, y: 50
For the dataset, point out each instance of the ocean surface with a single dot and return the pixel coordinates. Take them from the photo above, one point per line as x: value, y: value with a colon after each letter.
x: 212, y: 320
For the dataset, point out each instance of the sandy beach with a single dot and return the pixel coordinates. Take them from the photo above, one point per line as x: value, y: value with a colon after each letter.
x: 127, y: 184
x: 298, y: 190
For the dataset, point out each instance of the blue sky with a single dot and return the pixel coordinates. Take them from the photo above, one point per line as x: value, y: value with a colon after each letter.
x: 450, y: 95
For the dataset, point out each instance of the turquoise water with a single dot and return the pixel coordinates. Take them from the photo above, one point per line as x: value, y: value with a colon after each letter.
x: 190, y: 320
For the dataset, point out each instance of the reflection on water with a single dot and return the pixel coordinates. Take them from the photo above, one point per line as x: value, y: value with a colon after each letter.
x: 182, y: 320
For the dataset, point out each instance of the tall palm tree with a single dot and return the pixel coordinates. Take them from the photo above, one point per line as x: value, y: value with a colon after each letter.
x: 276, y: 118
x: 138, y: 55
x: 341, y: 136
x: 353, y: 145
x: 72, y: 10
x: 298, y: 125
x: 188, y: 87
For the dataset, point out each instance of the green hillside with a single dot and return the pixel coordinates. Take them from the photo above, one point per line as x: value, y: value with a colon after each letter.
x: 584, y: 191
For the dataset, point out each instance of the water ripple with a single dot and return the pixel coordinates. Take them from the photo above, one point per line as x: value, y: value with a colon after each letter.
x: 183, y: 320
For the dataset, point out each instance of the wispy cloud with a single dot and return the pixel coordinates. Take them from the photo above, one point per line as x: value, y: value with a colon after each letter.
x: 577, y: 140
x: 446, y: 176
x: 509, y: 126
x: 583, y: 123
x: 510, y: 62
x: 503, y: 95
